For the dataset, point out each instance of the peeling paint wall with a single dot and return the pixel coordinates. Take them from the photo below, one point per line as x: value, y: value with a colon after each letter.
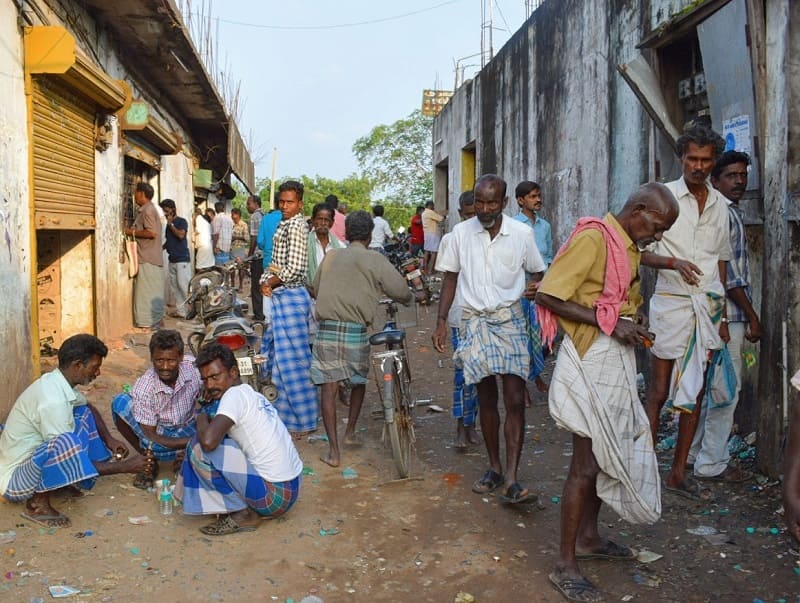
x: 15, y: 261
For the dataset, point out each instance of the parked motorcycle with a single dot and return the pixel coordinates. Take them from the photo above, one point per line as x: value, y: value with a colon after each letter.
x: 397, y: 252
x: 224, y: 322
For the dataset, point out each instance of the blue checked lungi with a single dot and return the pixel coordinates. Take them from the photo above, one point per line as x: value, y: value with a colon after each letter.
x: 122, y: 410
x: 63, y: 460
x: 493, y: 343
x: 223, y: 481
x: 297, y: 397
x: 534, y: 338
x: 465, y: 397
x: 341, y: 353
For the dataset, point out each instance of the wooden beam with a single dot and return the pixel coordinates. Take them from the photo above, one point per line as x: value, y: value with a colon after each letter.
x: 772, y: 372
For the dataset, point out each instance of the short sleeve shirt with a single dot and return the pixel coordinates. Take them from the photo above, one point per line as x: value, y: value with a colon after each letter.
x: 150, y: 250
x: 157, y: 404
x: 178, y: 249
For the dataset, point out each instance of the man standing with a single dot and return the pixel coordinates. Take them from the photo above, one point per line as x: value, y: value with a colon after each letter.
x: 285, y: 283
x: 148, y: 287
x: 709, y: 451
x: 180, y: 265
x: 222, y: 234
x: 338, y: 217
x: 381, y: 231
x: 158, y: 414
x: 54, y: 438
x: 416, y: 234
x: 242, y: 464
x: 486, y: 260
x: 593, y: 289
x: 203, y: 245
x: 256, y: 265
x: 687, y: 310
x: 431, y: 221
x: 349, y: 284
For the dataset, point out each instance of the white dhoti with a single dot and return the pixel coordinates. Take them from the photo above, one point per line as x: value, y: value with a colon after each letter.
x: 596, y: 398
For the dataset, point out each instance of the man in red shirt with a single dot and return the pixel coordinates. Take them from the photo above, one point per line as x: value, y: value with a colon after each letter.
x: 416, y: 233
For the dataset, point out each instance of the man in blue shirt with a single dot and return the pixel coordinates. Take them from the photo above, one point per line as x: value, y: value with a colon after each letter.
x: 180, y: 265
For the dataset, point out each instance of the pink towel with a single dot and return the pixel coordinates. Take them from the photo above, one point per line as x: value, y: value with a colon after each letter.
x: 615, y: 287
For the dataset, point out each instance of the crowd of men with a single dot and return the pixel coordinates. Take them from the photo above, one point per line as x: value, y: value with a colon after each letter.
x: 505, y: 298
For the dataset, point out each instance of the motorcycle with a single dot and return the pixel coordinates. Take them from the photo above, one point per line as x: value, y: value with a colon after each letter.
x: 397, y: 252
x: 224, y: 322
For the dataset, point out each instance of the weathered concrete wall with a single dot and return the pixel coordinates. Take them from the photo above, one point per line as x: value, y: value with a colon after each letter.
x: 15, y: 260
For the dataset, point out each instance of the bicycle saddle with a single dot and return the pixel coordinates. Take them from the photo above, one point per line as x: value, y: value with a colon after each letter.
x: 391, y: 337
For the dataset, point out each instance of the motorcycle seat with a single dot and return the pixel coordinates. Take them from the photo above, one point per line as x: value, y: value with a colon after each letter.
x: 390, y: 337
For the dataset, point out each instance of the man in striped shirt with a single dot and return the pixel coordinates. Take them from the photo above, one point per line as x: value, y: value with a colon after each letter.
x: 222, y: 234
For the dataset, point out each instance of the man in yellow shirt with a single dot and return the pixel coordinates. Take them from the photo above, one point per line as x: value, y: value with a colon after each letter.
x: 431, y: 221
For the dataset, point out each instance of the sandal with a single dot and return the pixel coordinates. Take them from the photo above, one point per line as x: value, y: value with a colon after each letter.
x: 516, y: 494
x: 692, y: 490
x: 731, y: 475
x: 225, y: 525
x: 610, y: 550
x: 576, y: 589
x: 490, y: 482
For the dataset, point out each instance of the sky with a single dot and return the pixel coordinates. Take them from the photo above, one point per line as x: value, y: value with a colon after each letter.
x: 310, y: 86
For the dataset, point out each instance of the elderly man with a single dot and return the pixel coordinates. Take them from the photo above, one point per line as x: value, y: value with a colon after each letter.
x: 593, y: 289
x: 687, y: 310
x: 54, y: 438
x: 349, y: 284
x: 158, y: 415
x: 486, y: 260
x: 242, y: 464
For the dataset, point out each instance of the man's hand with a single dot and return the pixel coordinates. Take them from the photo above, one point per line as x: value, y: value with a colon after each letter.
x: 420, y: 296
x: 118, y: 448
x: 724, y: 334
x: 642, y: 320
x: 440, y: 336
x: 530, y: 290
x: 753, y: 331
x: 688, y: 271
x: 630, y: 333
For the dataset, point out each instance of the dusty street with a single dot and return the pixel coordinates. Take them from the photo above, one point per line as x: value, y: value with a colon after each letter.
x: 375, y: 539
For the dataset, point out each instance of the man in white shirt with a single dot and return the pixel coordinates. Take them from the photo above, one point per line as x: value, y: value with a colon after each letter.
x: 242, y: 464
x: 687, y: 310
x: 381, y: 231
x: 486, y: 260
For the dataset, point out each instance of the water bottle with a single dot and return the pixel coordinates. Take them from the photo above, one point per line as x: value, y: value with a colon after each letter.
x: 165, y: 502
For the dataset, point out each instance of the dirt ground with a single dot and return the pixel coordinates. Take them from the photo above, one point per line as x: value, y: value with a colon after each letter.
x: 374, y: 538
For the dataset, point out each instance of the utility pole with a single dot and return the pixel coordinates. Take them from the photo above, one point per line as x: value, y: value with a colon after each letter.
x: 487, y: 50
x: 272, y: 179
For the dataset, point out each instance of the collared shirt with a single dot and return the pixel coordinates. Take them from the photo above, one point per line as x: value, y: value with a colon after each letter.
x: 177, y: 249
x: 381, y: 231
x: 42, y: 411
x: 491, y: 272
x: 431, y: 220
x: 240, y: 238
x: 702, y: 239
x: 150, y: 250
x: 266, y: 232
x: 222, y: 226
x: 290, y: 251
x: 738, y: 271
x: 255, y: 222
x: 157, y: 404
x: 542, y: 233
x: 338, y: 224
x: 578, y: 275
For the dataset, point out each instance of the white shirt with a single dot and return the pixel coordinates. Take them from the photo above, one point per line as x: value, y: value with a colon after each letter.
x: 491, y: 271
x: 702, y: 239
x: 454, y: 315
x: 380, y: 232
x: 261, y: 434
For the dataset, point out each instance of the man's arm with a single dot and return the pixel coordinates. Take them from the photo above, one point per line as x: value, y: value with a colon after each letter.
x: 446, y: 296
x: 211, y: 432
x: 791, y: 469
x: 688, y: 271
x: 179, y: 233
x: 724, y: 333
x: 116, y: 446
x: 739, y: 297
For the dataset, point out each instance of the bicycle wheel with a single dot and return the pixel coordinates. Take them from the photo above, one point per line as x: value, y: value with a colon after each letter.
x: 401, y: 429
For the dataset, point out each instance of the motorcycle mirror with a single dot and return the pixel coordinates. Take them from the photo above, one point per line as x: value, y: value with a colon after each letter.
x: 401, y: 230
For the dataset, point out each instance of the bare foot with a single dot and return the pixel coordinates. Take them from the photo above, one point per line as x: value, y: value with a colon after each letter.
x: 542, y: 385
x: 472, y: 435
x: 39, y: 510
x: 299, y: 435
x: 460, y: 443
x: 330, y: 459
x: 527, y: 398
x: 353, y: 440
x: 246, y: 518
x: 71, y: 491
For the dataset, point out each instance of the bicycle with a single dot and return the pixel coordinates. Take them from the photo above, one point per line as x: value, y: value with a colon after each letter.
x: 394, y: 388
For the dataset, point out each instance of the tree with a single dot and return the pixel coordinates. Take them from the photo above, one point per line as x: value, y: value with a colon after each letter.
x: 397, y: 159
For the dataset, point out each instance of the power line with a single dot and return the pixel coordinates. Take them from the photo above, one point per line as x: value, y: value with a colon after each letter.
x: 338, y: 25
x: 503, y: 17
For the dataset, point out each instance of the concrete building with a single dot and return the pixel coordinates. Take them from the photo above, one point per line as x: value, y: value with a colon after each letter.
x: 98, y: 96
x: 587, y: 99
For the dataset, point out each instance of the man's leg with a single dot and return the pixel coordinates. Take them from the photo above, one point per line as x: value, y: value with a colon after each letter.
x: 328, y: 396
x: 459, y: 386
x: 657, y: 392
x: 357, y: 392
x: 514, y: 427
x: 490, y: 421
x: 183, y: 276
x: 256, y: 270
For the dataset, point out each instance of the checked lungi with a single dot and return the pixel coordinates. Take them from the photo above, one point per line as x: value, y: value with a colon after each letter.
x: 535, y: 350
x: 297, y: 397
x: 223, y: 481
x: 122, y: 409
x: 341, y: 352
x: 493, y: 343
x: 60, y: 461
x: 465, y: 397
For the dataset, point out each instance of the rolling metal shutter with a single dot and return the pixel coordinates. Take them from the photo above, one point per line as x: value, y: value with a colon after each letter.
x: 63, y: 157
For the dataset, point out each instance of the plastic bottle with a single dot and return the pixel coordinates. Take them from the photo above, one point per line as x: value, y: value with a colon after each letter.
x: 165, y: 502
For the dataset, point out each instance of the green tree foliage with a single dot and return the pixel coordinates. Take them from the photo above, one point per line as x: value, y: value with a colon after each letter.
x: 397, y: 159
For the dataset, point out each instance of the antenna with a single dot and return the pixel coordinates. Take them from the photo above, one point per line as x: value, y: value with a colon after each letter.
x: 487, y: 50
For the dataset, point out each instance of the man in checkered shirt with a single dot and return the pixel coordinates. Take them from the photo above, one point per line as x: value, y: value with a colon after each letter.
x: 158, y: 414
x: 285, y: 282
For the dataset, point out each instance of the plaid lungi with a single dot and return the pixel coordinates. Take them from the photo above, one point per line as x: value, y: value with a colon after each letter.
x: 465, y: 397
x: 223, y: 481
x: 341, y: 351
x: 297, y: 397
x: 122, y: 410
x: 63, y: 460
x: 493, y: 343
x: 534, y: 339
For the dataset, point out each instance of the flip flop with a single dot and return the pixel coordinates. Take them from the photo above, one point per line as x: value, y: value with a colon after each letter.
x: 576, y: 589
x: 692, y: 490
x: 731, y: 475
x: 490, y: 482
x: 224, y: 526
x: 610, y: 550
x: 48, y: 521
x: 516, y: 494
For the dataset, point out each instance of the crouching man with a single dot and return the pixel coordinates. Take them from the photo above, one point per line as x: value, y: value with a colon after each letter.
x: 55, y: 439
x: 242, y: 464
